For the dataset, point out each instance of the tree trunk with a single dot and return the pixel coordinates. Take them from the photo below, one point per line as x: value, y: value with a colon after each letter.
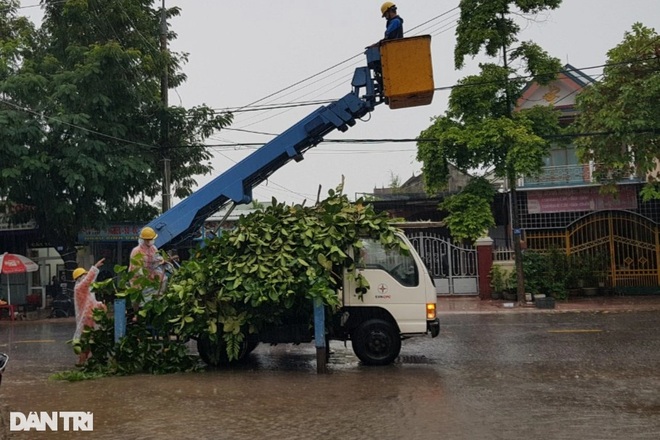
x: 517, y: 234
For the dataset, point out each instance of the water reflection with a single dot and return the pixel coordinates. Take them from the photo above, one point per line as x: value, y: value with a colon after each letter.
x: 275, y: 394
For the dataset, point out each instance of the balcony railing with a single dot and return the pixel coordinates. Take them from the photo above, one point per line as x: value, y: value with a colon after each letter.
x: 559, y: 176
x: 565, y: 175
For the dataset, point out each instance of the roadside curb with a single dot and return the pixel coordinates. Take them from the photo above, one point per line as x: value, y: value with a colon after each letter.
x: 521, y: 310
x: 474, y: 305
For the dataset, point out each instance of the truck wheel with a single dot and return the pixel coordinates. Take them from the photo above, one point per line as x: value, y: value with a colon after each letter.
x: 214, y: 354
x: 376, y: 342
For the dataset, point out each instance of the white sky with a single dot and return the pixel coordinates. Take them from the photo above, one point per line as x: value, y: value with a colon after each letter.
x: 243, y: 51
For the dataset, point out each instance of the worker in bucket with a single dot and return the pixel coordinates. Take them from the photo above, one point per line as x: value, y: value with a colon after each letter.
x: 85, y: 302
x: 394, y: 24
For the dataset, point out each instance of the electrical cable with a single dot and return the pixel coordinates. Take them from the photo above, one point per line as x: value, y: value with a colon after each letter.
x: 268, y: 107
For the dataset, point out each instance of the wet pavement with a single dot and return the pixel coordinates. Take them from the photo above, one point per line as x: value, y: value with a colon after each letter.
x: 472, y: 304
x: 493, y: 373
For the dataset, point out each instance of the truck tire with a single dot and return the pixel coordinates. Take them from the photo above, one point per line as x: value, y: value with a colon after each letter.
x: 376, y: 342
x: 214, y: 354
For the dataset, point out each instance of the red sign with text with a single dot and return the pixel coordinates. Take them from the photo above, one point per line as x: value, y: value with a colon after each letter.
x: 579, y: 199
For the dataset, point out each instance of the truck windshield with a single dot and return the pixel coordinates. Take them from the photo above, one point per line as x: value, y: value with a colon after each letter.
x: 400, y: 266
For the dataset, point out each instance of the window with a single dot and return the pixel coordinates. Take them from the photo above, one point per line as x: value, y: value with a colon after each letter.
x: 561, y: 157
x: 400, y: 266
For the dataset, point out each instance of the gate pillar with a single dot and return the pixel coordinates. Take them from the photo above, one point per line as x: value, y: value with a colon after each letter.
x: 485, y: 262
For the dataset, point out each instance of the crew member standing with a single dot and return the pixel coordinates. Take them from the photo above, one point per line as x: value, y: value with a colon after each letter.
x: 149, y: 263
x: 151, y: 260
x: 85, y: 302
x: 394, y: 24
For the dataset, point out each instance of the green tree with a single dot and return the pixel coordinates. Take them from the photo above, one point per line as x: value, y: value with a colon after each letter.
x: 82, y: 115
x: 17, y: 41
x: 470, y: 212
x: 480, y: 130
x: 623, y: 110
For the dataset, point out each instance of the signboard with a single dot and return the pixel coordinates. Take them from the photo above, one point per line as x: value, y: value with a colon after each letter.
x: 111, y: 233
x: 580, y: 199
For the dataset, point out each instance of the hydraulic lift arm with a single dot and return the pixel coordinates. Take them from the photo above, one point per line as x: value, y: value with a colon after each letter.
x: 369, y: 85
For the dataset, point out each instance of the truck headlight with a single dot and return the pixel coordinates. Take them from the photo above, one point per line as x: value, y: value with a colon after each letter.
x: 430, y: 311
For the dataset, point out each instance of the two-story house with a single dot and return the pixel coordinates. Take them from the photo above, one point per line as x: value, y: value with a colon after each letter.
x: 564, y: 207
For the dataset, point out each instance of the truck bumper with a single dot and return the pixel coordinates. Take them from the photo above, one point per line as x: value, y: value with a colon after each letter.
x: 433, y: 327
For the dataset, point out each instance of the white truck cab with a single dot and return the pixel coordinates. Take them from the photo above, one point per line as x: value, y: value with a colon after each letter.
x: 400, y: 302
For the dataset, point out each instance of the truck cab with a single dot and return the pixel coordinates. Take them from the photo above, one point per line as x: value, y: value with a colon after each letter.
x: 400, y: 302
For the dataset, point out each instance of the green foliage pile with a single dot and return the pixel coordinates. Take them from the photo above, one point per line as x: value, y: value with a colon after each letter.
x: 144, y: 349
x: 266, y: 271
x: 270, y: 268
x: 149, y: 345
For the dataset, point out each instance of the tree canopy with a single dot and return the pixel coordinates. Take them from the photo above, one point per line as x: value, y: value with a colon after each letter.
x: 481, y: 130
x: 622, y: 111
x: 82, y: 115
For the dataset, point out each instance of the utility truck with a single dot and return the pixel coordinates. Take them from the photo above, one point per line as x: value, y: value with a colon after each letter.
x: 401, y: 301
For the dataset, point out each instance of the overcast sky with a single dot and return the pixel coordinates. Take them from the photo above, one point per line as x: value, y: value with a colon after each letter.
x: 243, y: 51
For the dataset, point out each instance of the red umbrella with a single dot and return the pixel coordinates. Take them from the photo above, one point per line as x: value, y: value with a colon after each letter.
x: 15, y: 263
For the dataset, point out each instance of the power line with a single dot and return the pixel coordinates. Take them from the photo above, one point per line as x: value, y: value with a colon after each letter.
x: 258, y: 108
x: 267, y: 181
x: 377, y: 141
x: 252, y: 107
x: 78, y: 127
x: 434, y: 18
x: 39, y: 5
x: 299, y: 82
x: 294, y: 104
x: 333, y: 67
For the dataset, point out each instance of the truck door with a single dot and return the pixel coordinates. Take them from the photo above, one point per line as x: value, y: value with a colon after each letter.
x: 398, y: 283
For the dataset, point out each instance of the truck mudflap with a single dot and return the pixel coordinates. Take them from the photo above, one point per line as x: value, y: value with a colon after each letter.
x: 433, y: 327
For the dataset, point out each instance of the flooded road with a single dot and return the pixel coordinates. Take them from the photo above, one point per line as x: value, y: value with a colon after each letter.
x: 586, y: 376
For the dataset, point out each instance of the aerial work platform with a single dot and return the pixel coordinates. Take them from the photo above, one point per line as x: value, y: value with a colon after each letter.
x: 407, y: 71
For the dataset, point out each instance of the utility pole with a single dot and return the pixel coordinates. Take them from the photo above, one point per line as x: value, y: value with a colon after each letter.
x: 164, y: 123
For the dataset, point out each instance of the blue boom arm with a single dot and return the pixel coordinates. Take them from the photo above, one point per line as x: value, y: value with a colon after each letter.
x: 236, y: 184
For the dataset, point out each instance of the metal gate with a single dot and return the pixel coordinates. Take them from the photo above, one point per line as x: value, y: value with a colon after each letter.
x: 452, y: 267
x: 627, y: 243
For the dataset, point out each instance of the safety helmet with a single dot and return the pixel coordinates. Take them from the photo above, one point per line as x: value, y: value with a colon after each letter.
x: 386, y: 7
x: 78, y: 273
x: 148, y: 233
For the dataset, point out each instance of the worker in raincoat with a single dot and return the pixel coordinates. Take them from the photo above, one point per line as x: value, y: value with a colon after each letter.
x: 85, y: 302
x: 145, y: 260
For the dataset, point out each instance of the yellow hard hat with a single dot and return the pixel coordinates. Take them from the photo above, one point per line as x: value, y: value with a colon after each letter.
x: 148, y: 233
x: 78, y: 273
x: 386, y: 6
